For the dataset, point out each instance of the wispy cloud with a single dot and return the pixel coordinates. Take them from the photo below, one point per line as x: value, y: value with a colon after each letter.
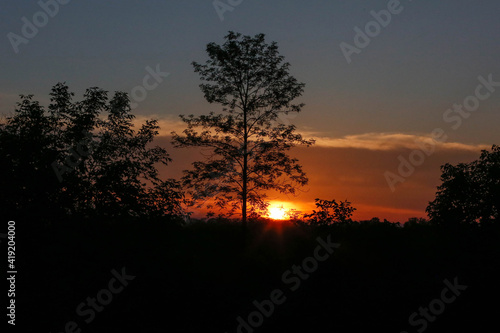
x: 390, y: 141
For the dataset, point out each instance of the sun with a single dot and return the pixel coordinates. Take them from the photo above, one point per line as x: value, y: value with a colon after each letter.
x: 277, y: 213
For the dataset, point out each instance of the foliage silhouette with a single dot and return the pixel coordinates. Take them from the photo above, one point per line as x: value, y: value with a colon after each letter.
x: 470, y: 192
x: 83, y: 159
x: 28, y: 183
x: 330, y: 211
x: 247, y: 146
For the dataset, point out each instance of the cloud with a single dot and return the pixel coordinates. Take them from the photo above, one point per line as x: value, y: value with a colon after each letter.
x: 391, y: 141
x: 368, y: 141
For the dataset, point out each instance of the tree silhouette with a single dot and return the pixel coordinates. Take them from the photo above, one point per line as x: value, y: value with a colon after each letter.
x: 27, y: 148
x: 83, y: 159
x: 470, y: 192
x: 329, y: 212
x: 247, y: 147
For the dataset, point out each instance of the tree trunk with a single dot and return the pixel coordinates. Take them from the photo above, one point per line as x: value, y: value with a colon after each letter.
x: 244, y: 208
x: 245, y: 171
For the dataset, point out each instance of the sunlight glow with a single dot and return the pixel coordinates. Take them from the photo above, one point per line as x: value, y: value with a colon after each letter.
x: 277, y: 213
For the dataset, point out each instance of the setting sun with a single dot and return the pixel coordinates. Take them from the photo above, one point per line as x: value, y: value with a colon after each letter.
x: 277, y: 213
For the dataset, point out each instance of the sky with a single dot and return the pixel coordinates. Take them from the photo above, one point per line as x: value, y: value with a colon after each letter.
x: 372, y: 99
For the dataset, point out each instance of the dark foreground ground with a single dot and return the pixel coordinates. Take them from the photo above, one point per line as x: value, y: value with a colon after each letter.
x: 203, y: 277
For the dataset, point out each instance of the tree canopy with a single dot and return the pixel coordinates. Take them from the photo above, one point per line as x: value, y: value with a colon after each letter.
x: 82, y: 159
x: 246, y: 145
x: 330, y: 211
x: 470, y: 192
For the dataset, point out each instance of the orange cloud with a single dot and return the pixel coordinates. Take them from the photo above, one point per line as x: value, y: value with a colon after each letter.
x: 390, y: 141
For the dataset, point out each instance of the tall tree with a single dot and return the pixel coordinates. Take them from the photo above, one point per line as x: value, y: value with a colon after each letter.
x: 247, y: 146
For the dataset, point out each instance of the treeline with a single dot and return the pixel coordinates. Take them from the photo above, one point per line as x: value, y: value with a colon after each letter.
x: 84, y: 159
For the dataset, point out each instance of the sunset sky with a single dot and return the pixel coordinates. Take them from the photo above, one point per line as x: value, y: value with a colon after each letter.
x: 366, y: 114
